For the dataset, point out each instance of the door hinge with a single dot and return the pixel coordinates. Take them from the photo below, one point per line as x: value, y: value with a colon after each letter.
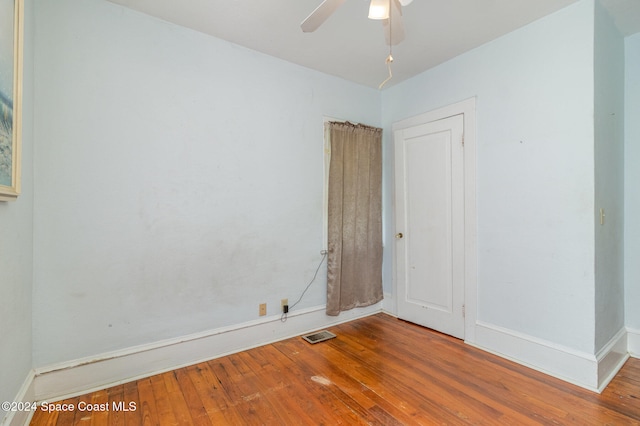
x: 464, y: 313
x: 463, y: 140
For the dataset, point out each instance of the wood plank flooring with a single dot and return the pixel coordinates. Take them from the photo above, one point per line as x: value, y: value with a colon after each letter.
x: 378, y: 371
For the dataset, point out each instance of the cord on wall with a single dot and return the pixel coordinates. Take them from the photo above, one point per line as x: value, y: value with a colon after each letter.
x: 283, y: 318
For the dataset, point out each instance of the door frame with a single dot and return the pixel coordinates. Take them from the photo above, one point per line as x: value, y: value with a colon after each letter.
x: 467, y: 108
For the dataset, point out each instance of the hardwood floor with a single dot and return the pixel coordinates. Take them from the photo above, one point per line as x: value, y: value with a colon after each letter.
x: 379, y: 370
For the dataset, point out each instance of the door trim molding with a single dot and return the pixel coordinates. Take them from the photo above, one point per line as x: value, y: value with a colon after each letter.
x: 467, y: 108
x: 633, y: 342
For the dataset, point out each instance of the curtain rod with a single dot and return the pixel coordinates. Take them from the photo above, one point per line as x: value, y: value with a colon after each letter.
x: 355, y: 125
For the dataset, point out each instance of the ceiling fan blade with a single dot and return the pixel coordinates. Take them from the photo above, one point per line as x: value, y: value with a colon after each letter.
x: 318, y: 16
x: 394, y: 27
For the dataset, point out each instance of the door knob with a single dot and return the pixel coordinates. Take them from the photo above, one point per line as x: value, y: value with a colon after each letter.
x: 399, y: 235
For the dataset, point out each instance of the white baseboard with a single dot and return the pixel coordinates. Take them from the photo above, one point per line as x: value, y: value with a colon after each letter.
x: 80, y: 376
x: 579, y: 368
x: 633, y: 342
x: 26, y: 394
x: 85, y: 375
x: 592, y: 372
x: 611, y: 358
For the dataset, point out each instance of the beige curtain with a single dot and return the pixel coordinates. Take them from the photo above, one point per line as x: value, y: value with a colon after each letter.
x: 354, y: 261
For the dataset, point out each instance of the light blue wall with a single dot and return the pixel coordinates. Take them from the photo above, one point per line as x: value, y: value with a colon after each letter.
x: 535, y: 163
x: 609, y: 177
x: 16, y: 250
x: 632, y: 177
x: 179, y: 179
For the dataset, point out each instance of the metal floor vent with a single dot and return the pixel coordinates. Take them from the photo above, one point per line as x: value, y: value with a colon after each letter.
x: 318, y: 337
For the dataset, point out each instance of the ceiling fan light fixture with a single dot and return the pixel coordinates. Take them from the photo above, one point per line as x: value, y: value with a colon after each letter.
x: 379, y: 9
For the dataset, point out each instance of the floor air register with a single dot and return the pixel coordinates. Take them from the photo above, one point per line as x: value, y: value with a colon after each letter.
x: 319, y: 336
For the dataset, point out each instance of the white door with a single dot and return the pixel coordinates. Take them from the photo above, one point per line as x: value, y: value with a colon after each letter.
x: 429, y: 172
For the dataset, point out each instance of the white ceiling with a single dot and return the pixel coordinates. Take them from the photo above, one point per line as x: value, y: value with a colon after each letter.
x: 353, y: 47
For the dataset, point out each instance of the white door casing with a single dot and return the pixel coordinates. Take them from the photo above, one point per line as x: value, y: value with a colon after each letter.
x: 435, y: 249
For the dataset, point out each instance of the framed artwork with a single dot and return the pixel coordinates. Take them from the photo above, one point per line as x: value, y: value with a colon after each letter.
x: 11, y: 21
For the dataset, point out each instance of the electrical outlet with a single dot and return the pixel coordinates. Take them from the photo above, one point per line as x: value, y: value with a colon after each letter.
x: 284, y: 303
x: 263, y: 309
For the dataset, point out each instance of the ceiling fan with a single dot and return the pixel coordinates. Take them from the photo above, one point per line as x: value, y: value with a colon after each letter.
x: 389, y: 11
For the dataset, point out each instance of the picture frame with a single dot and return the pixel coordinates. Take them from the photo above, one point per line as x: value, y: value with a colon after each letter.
x: 11, y: 45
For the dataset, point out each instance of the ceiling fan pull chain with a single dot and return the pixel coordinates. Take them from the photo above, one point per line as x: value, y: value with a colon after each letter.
x: 389, y: 59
